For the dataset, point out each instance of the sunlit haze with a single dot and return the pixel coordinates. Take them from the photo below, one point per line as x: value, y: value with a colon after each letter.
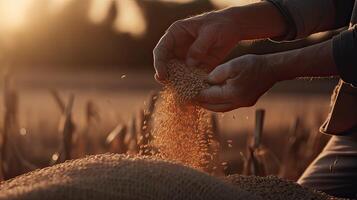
x: 130, y: 19
x: 13, y: 13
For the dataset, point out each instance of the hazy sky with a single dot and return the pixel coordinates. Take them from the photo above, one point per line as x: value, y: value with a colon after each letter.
x: 13, y: 13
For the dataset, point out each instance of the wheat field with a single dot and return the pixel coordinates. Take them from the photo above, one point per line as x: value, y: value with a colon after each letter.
x: 70, y: 115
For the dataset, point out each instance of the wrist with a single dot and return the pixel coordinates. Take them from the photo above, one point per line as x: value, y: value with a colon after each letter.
x: 250, y: 21
x: 280, y: 66
x: 311, y: 61
x: 232, y: 14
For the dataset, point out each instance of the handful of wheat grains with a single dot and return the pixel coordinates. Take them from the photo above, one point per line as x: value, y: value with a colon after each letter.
x: 182, y: 131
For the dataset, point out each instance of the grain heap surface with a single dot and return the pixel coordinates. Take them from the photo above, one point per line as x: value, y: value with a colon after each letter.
x: 274, y: 188
x: 183, y: 131
x: 119, y: 177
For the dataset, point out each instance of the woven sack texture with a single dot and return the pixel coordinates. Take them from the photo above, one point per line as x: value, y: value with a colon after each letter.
x: 274, y: 188
x: 120, y: 177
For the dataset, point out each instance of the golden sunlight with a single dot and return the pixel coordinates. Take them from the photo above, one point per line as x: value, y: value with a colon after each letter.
x: 130, y: 19
x: 98, y: 10
x: 178, y: 1
x: 13, y: 13
x: 55, y: 6
x: 225, y: 3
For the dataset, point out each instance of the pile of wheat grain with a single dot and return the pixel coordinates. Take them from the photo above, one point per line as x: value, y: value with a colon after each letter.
x: 182, y: 131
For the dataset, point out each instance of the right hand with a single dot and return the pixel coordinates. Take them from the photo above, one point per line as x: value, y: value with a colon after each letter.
x: 202, y: 41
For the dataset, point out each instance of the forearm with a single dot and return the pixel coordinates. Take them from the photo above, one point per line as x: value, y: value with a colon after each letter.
x: 258, y: 20
x: 312, y: 16
x: 313, y: 61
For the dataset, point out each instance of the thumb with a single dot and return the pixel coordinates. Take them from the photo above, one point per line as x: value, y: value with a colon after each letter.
x: 222, y: 73
x: 199, y: 48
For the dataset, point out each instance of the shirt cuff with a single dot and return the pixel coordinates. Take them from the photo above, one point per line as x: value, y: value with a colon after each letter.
x: 345, y: 54
x: 305, y: 17
x: 289, y: 21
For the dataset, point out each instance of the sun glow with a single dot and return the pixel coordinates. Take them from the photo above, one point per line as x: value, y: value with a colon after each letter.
x: 130, y: 19
x: 225, y: 3
x: 13, y: 13
x: 98, y: 10
x: 56, y: 6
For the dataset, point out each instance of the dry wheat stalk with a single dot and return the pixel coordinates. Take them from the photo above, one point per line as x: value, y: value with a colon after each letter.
x: 66, y: 129
x: 260, y: 160
x: 115, y: 139
x: 12, y: 161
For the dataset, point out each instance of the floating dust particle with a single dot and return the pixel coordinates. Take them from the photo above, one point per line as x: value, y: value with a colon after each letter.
x: 182, y: 131
x: 23, y: 131
x: 55, y: 156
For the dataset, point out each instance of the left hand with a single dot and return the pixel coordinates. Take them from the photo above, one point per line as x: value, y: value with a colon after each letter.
x: 237, y: 83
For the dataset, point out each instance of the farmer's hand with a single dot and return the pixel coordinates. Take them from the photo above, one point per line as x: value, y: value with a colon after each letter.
x: 203, y: 40
x: 237, y: 83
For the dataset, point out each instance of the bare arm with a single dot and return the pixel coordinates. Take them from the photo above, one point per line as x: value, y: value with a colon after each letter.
x: 313, y: 61
x: 205, y: 40
x: 241, y: 81
x: 258, y: 20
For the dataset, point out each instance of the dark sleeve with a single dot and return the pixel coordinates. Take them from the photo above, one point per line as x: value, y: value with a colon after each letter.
x: 345, y: 54
x: 343, y: 11
x: 305, y: 17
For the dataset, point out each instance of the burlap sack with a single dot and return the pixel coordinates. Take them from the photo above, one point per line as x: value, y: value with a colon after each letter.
x: 119, y: 177
x: 274, y: 188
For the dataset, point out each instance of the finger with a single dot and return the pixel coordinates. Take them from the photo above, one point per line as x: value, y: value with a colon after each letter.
x: 209, y: 62
x: 223, y: 72
x: 215, y: 94
x: 161, y: 81
x: 199, y: 48
x: 162, y: 53
x: 218, y: 107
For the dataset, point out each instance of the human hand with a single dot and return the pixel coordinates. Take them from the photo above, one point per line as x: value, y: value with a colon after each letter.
x: 202, y: 41
x: 237, y: 83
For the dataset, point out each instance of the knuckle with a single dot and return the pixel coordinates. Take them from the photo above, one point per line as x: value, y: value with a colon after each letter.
x: 175, y: 25
x: 230, y: 68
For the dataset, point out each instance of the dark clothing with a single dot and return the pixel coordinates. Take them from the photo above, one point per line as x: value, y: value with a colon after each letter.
x: 305, y: 17
x: 334, y: 171
x: 345, y: 54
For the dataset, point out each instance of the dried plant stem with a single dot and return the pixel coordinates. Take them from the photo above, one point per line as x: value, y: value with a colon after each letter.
x: 66, y: 128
